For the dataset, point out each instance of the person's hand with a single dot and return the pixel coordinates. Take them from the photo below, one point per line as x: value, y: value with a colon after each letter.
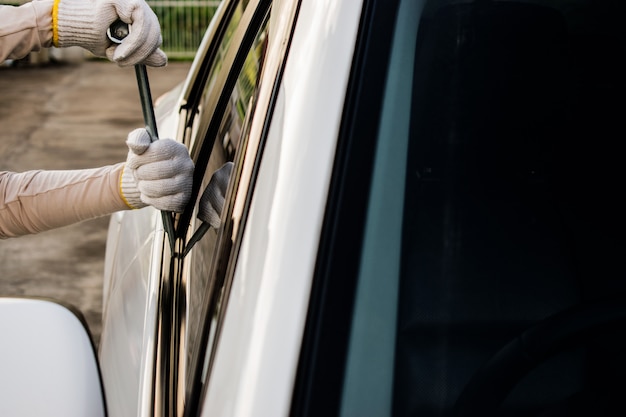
x: 212, y: 200
x: 85, y: 22
x: 159, y: 174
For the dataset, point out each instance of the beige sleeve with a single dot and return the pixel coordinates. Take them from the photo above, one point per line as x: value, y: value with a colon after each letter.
x: 34, y: 201
x: 25, y: 28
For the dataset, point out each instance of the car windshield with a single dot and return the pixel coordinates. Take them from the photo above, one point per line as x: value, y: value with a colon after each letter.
x: 495, y: 204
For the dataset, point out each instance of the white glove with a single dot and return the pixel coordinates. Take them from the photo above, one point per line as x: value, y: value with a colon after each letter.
x: 159, y: 174
x: 212, y: 200
x: 85, y: 22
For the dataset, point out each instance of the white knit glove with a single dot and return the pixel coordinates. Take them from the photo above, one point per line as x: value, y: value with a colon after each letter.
x: 212, y: 200
x: 159, y: 174
x: 85, y: 22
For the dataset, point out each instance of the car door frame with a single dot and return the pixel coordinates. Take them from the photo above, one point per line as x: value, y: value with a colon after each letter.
x: 169, y: 390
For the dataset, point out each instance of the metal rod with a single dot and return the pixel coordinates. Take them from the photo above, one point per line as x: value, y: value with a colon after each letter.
x: 150, y: 120
x: 116, y: 33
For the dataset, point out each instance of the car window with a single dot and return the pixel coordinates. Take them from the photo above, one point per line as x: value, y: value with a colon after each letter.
x: 208, y: 76
x: 204, y: 282
x: 508, y: 217
x: 493, y: 206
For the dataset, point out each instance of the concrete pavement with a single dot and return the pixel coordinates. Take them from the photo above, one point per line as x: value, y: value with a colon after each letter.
x: 68, y: 117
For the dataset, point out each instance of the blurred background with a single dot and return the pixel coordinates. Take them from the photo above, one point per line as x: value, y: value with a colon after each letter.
x: 183, y: 23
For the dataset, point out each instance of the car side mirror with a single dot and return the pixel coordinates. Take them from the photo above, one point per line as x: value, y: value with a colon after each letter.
x: 48, y: 364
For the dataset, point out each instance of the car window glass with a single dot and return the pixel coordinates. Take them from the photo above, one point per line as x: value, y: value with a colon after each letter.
x: 216, y: 64
x: 232, y: 130
x: 510, y: 213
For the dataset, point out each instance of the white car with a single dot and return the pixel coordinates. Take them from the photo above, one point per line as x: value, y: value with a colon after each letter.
x: 424, y: 218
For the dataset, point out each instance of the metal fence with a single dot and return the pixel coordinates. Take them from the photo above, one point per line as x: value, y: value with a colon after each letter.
x: 183, y: 23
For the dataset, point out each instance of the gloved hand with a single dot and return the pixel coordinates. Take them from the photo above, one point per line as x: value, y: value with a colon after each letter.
x: 85, y: 22
x: 159, y: 174
x: 212, y: 200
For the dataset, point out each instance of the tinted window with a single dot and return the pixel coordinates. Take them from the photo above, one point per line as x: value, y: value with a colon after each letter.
x: 510, y: 211
x: 495, y: 203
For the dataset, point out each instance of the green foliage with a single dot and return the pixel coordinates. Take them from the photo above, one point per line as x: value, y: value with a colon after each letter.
x: 183, y: 26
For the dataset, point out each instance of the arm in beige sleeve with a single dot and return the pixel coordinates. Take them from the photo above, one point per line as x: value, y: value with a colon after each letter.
x: 25, y: 28
x: 34, y: 201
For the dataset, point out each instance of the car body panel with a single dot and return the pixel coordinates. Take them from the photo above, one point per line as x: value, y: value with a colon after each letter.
x: 127, y: 343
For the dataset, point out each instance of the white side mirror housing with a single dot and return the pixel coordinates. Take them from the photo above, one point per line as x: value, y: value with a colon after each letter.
x: 48, y: 365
